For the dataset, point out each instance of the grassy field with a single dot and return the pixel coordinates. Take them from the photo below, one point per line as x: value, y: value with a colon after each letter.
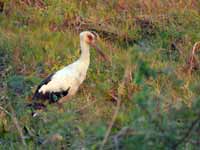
x: 146, y: 97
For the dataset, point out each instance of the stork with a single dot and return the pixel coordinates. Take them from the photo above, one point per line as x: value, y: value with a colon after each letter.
x: 63, y: 84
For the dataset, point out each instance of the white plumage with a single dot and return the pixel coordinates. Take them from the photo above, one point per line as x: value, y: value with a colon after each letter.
x: 63, y: 84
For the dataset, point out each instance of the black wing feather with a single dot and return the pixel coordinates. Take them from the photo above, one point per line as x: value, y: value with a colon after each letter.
x: 51, y: 96
x: 38, y: 95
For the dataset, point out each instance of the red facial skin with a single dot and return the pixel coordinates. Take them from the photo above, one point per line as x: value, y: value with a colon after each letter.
x: 90, y: 39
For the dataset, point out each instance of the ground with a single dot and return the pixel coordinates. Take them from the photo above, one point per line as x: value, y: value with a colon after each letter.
x: 145, y: 97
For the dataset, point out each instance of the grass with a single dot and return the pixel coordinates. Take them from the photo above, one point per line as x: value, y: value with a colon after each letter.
x: 147, y: 42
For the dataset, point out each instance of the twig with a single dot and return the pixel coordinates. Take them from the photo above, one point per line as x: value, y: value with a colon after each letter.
x: 195, y: 142
x: 188, y: 132
x: 120, y: 133
x: 8, y: 113
x: 126, y: 79
x: 15, y: 121
x: 112, y: 122
x: 194, y: 49
x: 192, y: 62
x: 14, y: 118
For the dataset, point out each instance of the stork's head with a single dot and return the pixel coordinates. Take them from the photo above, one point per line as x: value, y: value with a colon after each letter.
x: 90, y: 38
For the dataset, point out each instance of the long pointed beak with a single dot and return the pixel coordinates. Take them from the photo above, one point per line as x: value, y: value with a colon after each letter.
x: 100, y: 52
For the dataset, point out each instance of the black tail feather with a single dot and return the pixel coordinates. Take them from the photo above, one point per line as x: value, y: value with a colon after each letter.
x: 36, y: 106
x: 52, y: 97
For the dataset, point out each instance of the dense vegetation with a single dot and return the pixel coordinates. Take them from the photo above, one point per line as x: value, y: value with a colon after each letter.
x: 146, y: 97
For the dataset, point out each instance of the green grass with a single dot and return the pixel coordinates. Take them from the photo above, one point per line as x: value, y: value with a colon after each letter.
x: 159, y: 100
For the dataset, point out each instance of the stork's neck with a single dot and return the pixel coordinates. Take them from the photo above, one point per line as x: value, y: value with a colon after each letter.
x: 85, y: 52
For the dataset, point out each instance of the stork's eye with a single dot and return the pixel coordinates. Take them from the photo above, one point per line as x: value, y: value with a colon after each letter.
x: 90, y: 37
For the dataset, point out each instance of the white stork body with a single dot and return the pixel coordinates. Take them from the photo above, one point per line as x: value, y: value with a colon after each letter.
x: 70, y: 76
x: 65, y: 82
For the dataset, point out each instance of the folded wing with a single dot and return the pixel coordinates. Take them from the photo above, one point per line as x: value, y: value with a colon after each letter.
x: 54, y: 94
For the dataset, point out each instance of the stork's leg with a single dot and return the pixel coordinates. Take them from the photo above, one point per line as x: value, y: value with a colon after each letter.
x: 60, y: 107
x: 61, y: 101
x: 64, y: 99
